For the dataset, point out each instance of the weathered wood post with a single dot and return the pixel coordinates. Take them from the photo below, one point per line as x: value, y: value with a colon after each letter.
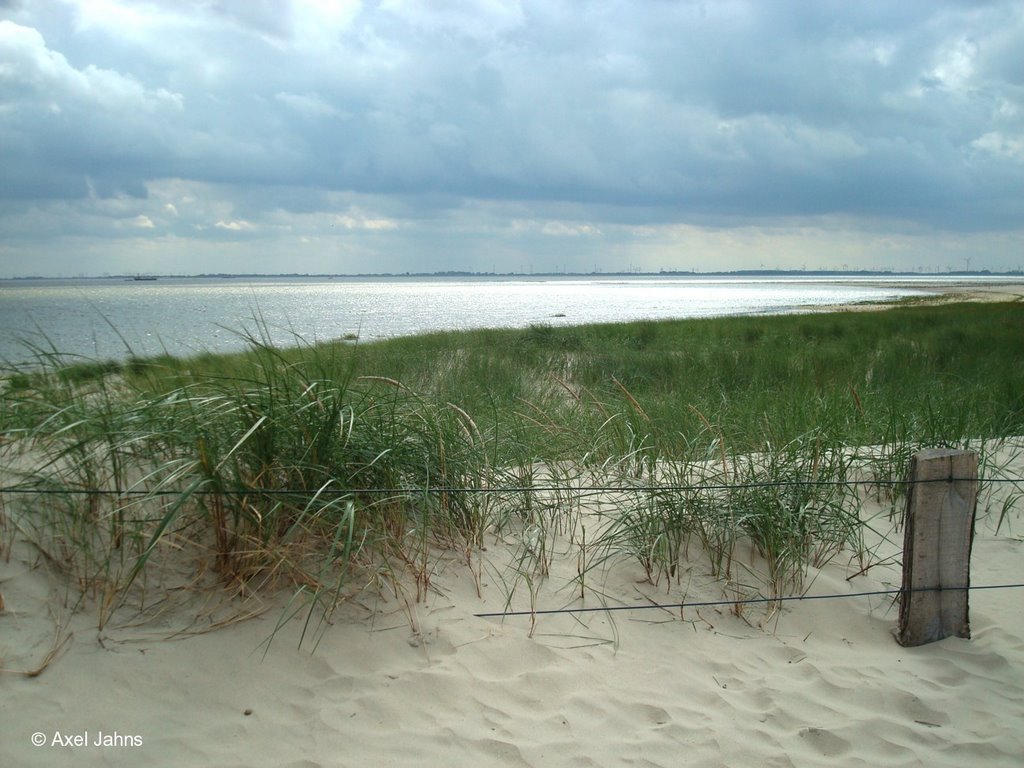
x: 937, y: 538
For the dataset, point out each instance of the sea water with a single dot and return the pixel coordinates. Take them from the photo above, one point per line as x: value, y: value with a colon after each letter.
x: 117, y: 318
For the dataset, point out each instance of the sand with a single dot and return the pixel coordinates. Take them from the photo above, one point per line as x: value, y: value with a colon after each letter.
x: 939, y: 292
x: 398, y: 683
x: 394, y: 682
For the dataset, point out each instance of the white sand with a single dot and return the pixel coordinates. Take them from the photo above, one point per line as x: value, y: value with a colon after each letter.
x: 942, y: 292
x: 821, y: 683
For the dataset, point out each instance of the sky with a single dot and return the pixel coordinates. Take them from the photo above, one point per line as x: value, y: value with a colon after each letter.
x: 372, y: 136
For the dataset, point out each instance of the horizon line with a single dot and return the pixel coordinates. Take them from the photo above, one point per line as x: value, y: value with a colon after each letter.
x: 470, y: 273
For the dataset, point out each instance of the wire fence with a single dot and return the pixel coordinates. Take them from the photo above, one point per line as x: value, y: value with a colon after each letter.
x: 739, y: 601
x: 487, y: 490
x: 577, y: 490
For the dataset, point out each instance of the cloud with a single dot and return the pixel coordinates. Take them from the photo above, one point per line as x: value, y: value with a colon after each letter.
x: 485, y: 19
x: 1001, y: 146
x: 235, y: 225
x: 406, y: 118
x: 66, y: 131
x: 309, y: 105
x: 31, y: 72
x: 563, y: 229
x: 359, y: 220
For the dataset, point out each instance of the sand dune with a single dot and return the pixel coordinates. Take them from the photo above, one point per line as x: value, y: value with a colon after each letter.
x: 394, y: 683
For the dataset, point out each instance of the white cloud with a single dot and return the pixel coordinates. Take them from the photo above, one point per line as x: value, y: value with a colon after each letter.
x: 358, y: 220
x: 126, y: 19
x: 954, y: 67
x: 235, y: 225
x: 1001, y: 145
x: 309, y: 104
x: 35, y: 76
x: 476, y: 18
x: 319, y: 24
x: 569, y: 229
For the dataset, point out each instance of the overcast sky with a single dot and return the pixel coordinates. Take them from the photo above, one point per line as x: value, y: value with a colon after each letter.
x: 185, y: 136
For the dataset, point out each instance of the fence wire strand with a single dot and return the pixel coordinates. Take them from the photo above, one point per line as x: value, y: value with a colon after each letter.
x: 487, y: 490
x: 739, y: 601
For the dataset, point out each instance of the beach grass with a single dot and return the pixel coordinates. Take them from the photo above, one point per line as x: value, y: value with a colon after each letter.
x: 337, y: 467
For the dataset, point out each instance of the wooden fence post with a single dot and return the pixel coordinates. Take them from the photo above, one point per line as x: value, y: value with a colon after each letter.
x: 937, y: 538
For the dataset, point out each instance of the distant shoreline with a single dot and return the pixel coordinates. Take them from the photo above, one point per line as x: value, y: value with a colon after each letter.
x: 946, y: 292
x: 789, y: 273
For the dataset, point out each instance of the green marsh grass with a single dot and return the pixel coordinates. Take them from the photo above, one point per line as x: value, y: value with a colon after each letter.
x: 337, y: 467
